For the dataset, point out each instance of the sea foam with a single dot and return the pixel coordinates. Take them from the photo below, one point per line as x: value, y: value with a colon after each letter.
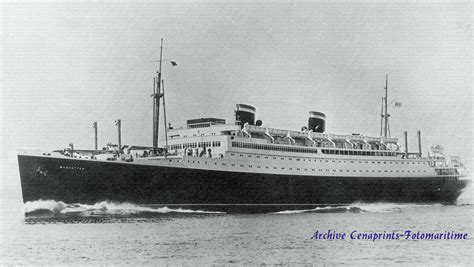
x: 104, y: 207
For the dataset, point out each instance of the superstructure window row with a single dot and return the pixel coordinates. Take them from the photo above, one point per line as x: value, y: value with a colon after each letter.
x: 358, y: 152
x: 450, y: 171
x: 275, y: 148
x: 194, y: 145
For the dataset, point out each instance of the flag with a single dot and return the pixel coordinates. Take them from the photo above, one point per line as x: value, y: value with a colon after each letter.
x: 174, y: 63
x: 398, y: 104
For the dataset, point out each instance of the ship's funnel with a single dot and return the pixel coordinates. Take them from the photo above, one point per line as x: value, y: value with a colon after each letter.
x: 245, y: 114
x: 317, y: 122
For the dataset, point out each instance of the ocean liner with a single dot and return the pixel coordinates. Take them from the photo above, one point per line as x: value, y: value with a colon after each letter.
x: 243, y: 166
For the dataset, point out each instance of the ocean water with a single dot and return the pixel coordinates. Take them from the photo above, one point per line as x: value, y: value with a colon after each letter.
x: 56, y: 233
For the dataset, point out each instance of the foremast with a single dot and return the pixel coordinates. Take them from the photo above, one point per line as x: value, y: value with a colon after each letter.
x: 158, y: 95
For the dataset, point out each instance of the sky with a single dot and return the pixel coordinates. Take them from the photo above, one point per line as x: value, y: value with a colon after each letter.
x: 66, y: 64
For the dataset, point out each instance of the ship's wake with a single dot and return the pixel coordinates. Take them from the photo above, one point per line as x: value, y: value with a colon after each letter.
x: 50, y: 211
x: 102, y: 211
x: 360, y: 207
x: 329, y: 209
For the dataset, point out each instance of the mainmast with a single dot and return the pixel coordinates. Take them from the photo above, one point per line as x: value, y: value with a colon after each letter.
x: 384, y: 116
x: 381, y: 118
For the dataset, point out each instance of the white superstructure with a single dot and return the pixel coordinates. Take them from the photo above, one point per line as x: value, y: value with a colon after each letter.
x: 230, y: 147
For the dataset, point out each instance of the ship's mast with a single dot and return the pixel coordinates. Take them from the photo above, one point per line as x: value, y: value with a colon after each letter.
x: 386, y: 115
x: 381, y: 118
x: 119, y: 131
x: 94, y: 125
x: 154, y: 111
x: 164, y: 116
x: 156, y: 101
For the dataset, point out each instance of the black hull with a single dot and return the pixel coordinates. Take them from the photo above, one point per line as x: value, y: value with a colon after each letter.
x: 94, y: 181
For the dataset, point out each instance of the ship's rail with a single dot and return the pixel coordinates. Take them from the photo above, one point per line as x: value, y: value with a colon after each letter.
x: 175, y: 130
x: 293, y: 134
x: 324, y: 136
